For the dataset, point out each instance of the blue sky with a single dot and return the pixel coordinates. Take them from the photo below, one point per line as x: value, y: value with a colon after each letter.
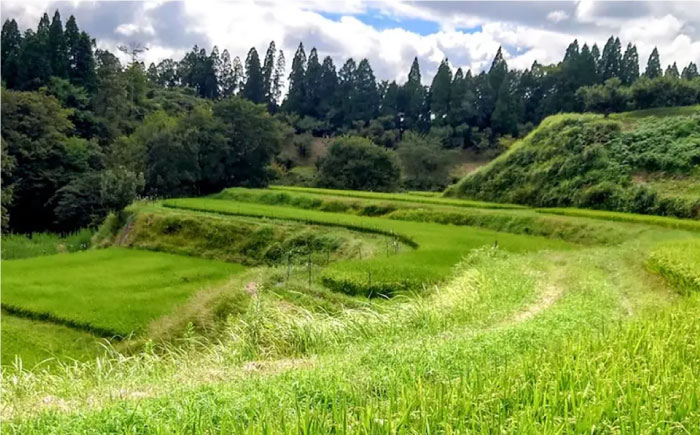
x: 389, y: 33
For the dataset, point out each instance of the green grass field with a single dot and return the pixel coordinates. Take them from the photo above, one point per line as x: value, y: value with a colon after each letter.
x: 111, y: 292
x: 578, y: 321
x: 36, y: 342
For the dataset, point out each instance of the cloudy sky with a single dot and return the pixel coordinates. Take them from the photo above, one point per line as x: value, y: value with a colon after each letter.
x: 389, y: 33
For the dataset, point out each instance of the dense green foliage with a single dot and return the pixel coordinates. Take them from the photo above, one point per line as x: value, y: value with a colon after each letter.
x: 358, y: 164
x: 124, y: 290
x: 588, y: 161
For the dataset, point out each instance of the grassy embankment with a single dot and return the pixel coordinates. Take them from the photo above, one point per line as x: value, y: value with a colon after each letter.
x: 621, y: 163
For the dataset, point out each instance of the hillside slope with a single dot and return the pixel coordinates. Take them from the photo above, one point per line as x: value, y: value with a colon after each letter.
x: 624, y: 163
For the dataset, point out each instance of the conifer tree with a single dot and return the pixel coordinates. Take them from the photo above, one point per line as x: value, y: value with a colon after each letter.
x: 297, y: 86
x: 312, y: 79
x: 595, y: 53
x: 328, y: 89
x: 440, y: 93
x: 611, y: 59
x: 268, y: 70
x: 58, y: 52
x: 11, y: 50
x: 653, y: 65
x: 630, y: 65
x: 277, y: 79
x: 254, y: 88
x: 412, y: 101
x: 672, y: 71
x: 347, y: 84
x: 366, y: 102
x: 238, y: 74
x: 226, y: 79
x: 690, y: 71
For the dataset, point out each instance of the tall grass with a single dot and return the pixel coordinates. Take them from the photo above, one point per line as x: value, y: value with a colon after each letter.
x: 679, y: 263
x: 16, y: 246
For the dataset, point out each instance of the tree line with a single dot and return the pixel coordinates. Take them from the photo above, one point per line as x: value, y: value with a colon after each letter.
x: 84, y: 134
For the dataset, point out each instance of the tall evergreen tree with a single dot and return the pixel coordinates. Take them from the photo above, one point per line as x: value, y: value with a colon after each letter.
x: 690, y: 71
x: 347, y: 83
x: 297, y: 86
x: 587, y: 67
x: 611, y: 59
x: 672, y: 71
x: 366, y: 102
x: 630, y: 65
x: 440, y: 93
x: 277, y: 79
x: 653, y: 65
x: 226, y: 80
x: 11, y: 51
x: 328, y: 89
x: 239, y: 77
x: 58, y: 52
x: 412, y: 101
x: 254, y: 88
x: 71, y: 38
x: 498, y: 70
x: 595, y: 53
x: 268, y: 70
x: 312, y: 79
x: 504, y: 119
x: 84, y: 74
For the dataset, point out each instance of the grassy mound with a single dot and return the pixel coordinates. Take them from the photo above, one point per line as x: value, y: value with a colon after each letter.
x: 589, y: 161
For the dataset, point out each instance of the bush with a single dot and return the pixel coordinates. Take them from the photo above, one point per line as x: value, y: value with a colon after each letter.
x: 357, y: 163
x: 424, y: 162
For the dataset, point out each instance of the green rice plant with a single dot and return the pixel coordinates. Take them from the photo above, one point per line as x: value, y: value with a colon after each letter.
x: 437, y: 247
x: 112, y: 292
x: 572, y: 230
x: 36, y: 341
x: 397, y: 197
x: 663, y: 221
x: 16, y: 246
x: 679, y: 263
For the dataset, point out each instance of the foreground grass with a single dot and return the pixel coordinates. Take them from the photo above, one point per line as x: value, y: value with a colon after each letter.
x: 109, y: 292
x: 488, y: 352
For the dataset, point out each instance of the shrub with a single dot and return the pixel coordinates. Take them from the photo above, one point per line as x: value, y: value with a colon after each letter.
x: 357, y: 163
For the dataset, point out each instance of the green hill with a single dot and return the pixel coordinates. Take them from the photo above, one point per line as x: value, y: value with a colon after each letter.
x: 635, y: 162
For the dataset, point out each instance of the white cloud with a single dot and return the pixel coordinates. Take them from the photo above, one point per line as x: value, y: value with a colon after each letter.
x: 527, y: 31
x: 557, y: 16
